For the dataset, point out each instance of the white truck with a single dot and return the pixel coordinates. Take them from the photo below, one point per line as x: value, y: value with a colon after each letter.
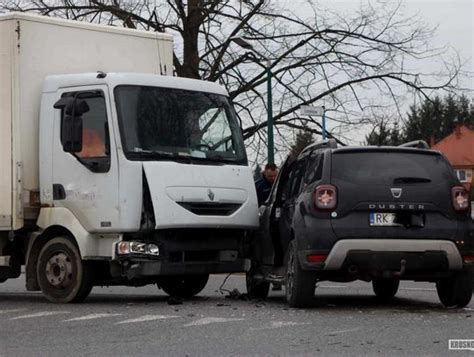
x: 111, y: 177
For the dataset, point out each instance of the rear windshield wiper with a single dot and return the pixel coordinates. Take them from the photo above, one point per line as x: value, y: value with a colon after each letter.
x: 411, y: 180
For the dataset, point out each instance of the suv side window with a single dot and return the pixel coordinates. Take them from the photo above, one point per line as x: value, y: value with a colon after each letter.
x: 286, y: 189
x: 95, y: 153
x: 297, y: 177
x: 315, y: 168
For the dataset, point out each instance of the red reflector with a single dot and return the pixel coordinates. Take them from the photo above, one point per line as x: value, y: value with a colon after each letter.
x: 325, y: 197
x: 460, y: 198
x: 468, y: 258
x: 316, y: 258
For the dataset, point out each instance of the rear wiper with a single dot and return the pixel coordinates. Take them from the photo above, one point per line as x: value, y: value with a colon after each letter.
x: 411, y: 180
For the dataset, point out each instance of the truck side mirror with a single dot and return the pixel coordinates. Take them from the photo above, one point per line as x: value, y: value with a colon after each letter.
x: 71, y: 134
x: 71, y: 123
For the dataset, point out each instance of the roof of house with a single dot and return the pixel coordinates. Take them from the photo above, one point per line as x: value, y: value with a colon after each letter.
x: 458, y: 147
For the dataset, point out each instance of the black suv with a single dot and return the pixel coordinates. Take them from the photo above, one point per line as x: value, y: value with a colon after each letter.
x: 380, y: 214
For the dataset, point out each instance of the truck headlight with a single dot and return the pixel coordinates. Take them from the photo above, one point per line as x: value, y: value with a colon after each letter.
x: 134, y: 247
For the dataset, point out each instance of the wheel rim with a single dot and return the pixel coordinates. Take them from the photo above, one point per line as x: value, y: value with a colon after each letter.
x: 59, y: 270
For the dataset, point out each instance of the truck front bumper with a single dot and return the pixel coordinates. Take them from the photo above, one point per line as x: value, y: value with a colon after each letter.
x: 139, y: 268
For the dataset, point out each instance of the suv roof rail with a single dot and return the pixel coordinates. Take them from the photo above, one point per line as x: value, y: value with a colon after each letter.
x: 323, y: 144
x: 420, y: 144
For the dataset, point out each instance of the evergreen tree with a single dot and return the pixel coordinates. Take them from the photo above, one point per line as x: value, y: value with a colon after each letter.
x: 303, y: 139
x: 380, y: 135
x: 436, y: 119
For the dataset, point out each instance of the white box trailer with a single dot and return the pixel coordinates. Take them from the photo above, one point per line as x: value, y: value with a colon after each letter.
x: 109, y: 177
x: 34, y: 47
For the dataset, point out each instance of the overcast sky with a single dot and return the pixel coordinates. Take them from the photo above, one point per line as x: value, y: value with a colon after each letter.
x: 454, y: 18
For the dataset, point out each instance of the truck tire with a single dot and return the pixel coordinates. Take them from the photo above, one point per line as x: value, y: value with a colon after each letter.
x: 256, y: 288
x: 457, y: 290
x: 183, y: 286
x: 62, y: 276
x: 385, y: 289
x: 299, y: 283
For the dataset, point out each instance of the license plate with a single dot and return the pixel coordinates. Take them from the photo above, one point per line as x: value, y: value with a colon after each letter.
x: 382, y: 219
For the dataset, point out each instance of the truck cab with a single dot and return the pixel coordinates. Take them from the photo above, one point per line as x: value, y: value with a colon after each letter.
x: 147, y: 176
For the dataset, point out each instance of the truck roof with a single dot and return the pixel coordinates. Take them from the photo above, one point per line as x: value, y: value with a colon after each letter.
x: 84, y: 25
x: 54, y: 82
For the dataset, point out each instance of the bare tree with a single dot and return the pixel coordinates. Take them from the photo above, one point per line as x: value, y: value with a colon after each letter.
x: 325, y: 58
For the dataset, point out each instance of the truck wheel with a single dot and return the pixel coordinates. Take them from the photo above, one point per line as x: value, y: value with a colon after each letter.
x: 385, y: 289
x: 184, y: 286
x: 256, y: 288
x: 300, y: 284
x: 62, y: 276
x: 456, y: 291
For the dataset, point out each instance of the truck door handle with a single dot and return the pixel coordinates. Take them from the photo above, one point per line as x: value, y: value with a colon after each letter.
x: 58, y: 192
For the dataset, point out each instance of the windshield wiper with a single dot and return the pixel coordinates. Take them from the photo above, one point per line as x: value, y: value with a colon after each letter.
x: 156, y: 154
x: 218, y: 157
x: 411, y: 180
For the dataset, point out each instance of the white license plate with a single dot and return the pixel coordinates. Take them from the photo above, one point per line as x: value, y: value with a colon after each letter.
x: 382, y: 219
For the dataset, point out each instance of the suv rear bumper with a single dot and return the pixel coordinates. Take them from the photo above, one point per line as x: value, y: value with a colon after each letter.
x: 343, y: 249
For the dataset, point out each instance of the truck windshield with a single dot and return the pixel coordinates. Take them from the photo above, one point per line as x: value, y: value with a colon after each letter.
x: 181, y: 125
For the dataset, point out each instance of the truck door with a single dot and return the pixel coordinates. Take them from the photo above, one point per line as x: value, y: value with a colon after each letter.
x: 85, y: 172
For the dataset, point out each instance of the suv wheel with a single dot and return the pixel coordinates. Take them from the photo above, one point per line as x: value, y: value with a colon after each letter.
x: 457, y: 290
x: 385, y: 289
x: 300, y: 284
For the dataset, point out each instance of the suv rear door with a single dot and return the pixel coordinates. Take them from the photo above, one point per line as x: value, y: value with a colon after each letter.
x: 413, y: 184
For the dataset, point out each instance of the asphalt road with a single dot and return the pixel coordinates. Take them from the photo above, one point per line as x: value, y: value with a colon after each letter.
x: 123, y: 321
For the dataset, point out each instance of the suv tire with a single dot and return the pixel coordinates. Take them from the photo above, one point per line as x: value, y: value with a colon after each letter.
x: 457, y: 290
x: 299, y: 283
x: 385, y: 289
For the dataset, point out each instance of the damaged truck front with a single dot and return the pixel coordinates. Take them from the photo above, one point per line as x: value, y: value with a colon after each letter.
x: 136, y: 178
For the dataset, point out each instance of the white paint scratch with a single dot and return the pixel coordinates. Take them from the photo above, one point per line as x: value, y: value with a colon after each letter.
x: 280, y: 324
x: 211, y: 320
x: 10, y: 311
x: 92, y: 317
x: 39, y: 314
x: 147, y: 318
x: 342, y: 331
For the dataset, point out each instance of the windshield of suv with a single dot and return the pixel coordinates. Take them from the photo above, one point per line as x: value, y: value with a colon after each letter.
x: 167, y: 123
x: 390, y: 167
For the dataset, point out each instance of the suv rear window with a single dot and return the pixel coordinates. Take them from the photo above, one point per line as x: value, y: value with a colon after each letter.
x: 390, y: 167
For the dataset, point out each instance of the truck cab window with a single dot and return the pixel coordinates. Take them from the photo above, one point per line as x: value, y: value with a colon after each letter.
x: 95, y: 153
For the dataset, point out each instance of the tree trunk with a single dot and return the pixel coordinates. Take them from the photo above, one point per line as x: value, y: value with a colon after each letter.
x: 191, y: 24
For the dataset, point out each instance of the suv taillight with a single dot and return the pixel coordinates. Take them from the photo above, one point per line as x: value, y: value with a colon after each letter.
x: 325, y: 197
x: 460, y: 198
